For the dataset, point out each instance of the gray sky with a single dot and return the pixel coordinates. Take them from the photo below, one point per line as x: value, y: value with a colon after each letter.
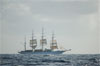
x: 75, y: 23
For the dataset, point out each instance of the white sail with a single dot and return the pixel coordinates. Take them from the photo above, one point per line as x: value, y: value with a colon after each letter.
x: 43, y: 41
x: 54, y: 44
x: 33, y: 43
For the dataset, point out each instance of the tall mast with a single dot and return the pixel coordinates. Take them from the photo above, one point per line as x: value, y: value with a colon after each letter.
x: 32, y: 39
x: 53, y: 43
x: 33, y: 42
x: 43, y: 41
x: 52, y: 38
x: 42, y: 37
x: 25, y: 43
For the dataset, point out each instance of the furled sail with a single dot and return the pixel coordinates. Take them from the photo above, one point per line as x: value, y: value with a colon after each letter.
x: 54, y: 44
x: 43, y: 41
x: 33, y: 43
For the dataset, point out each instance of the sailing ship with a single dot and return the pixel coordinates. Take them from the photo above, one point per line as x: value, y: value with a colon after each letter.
x: 33, y: 44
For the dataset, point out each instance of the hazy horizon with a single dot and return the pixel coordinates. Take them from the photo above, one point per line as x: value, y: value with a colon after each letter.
x: 75, y: 23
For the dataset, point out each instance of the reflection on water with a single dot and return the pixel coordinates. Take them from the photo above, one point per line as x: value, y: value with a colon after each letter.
x: 49, y: 60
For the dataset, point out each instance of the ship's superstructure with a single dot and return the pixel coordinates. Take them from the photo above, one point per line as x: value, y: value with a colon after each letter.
x: 43, y: 41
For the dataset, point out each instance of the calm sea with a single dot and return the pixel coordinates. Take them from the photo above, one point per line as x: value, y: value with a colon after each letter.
x: 50, y: 60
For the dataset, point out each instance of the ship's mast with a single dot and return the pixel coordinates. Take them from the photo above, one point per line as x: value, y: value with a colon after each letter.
x: 32, y: 39
x: 25, y: 43
x: 52, y: 38
x: 54, y: 42
x: 42, y: 37
x: 33, y: 42
x: 43, y: 41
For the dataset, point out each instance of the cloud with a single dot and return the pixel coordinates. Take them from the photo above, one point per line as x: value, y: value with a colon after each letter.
x: 21, y: 10
x: 16, y: 9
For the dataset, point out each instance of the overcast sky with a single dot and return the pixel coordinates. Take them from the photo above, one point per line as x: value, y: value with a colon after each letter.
x: 75, y: 23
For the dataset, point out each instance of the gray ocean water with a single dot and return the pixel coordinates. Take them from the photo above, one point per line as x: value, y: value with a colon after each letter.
x: 50, y: 60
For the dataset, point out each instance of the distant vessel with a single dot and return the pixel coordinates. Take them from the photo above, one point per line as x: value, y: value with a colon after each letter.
x: 33, y: 44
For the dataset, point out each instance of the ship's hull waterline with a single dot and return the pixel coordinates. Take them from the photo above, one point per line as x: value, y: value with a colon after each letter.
x: 43, y: 53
